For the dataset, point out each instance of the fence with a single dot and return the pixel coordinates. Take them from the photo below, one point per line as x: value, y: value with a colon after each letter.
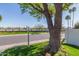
x: 72, y: 36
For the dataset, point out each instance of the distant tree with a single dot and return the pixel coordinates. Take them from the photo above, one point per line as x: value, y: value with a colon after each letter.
x: 72, y: 11
x: 0, y: 17
x: 76, y: 26
x: 39, y: 27
x: 68, y: 18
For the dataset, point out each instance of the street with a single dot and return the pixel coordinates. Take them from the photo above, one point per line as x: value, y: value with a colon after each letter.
x: 8, y: 41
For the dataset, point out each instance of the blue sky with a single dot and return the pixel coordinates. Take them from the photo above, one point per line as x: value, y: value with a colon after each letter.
x: 12, y: 16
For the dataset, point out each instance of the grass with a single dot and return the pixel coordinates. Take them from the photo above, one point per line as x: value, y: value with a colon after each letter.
x: 37, y: 50
x: 24, y: 50
x: 19, y: 32
x: 72, y: 50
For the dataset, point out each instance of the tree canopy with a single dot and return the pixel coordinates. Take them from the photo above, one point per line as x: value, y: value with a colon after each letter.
x: 68, y: 17
x: 36, y: 9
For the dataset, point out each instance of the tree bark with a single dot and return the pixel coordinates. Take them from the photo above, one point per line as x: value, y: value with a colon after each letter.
x: 54, y: 30
x: 55, y: 41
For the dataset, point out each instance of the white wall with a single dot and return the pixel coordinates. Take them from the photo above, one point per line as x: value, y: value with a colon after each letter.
x: 72, y: 36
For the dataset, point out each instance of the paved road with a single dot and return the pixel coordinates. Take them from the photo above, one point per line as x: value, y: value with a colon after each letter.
x: 16, y: 40
x: 6, y: 40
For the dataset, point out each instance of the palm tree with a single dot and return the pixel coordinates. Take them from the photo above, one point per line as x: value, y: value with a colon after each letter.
x: 72, y: 10
x: 68, y: 18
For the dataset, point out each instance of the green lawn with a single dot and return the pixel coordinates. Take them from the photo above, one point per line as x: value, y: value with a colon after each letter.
x: 72, y: 50
x: 19, y: 32
x: 37, y: 49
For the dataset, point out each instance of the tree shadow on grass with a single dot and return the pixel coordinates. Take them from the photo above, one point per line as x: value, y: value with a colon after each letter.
x: 24, y: 50
x: 74, y: 46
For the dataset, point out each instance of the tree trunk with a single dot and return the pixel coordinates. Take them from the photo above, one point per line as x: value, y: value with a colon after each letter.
x: 54, y: 31
x: 73, y: 20
x: 55, y: 35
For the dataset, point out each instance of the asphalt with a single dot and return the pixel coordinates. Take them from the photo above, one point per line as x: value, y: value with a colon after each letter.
x: 8, y: 41
x: 13, y: 39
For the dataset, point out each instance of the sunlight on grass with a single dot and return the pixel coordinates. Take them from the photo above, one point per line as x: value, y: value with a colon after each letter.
x: 20, y: 32
x: 38, y: 50
x: 72, y: 50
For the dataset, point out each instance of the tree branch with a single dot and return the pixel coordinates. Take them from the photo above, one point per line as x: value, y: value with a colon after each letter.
x: 48, y: 16
x: 40, y: 10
